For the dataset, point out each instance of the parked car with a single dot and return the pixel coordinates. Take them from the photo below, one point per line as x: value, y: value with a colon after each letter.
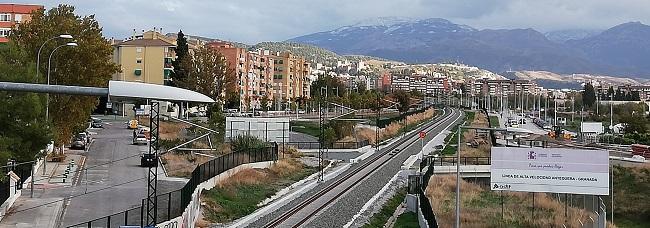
x: 80, y: 141
x: 96, y: 122
x: 139, y: 139
x: 148, y: 160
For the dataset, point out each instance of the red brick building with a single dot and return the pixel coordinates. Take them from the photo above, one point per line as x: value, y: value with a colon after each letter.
x: 12, y: 14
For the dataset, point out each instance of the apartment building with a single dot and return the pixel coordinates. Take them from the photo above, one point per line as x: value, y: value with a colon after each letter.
x: 281, y: 77
x: 425, y: 84
x: 144, y: 58
x: 13, y: 14
x: 483, y: 87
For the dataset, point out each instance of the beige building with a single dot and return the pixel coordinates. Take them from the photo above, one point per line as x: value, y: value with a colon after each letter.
x: 145, y: 58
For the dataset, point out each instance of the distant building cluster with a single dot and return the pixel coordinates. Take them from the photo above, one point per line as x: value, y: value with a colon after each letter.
x: 278, y: 76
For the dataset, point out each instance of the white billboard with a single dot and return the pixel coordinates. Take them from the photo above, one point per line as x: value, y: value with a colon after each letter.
x: 267, y: 129
x: 557, y: 170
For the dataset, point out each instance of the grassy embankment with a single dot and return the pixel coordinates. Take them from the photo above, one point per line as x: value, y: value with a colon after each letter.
x: 631, y: 196
x: 481, y: 207
x: 380, y: 218
x: 407, y: 220
x: 240, y: 194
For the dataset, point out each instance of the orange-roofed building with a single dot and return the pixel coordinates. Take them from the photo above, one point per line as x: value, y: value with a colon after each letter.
x: 12, y: 14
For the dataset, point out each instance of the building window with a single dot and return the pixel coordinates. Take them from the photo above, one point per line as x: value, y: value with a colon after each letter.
x: 138, y: 72
x: 277, y: 76
x: 138, y: 60
x: 18, y: 18
x: 4, y: 32
x: 5, y: 17
x: 138, y: 50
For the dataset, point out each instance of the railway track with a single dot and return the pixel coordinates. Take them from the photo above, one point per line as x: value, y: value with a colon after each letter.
x: 308, y: 208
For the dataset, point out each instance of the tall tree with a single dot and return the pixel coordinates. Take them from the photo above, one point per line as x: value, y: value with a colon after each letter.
x: 331, y: 83
x: 180, y: 64
x: 610, y: 94
x: 588, y: 95
x: 619, y: 96
x: 264, y: 102
x: 24, y: 132
x: 89, y: 64
x: 210, y: 75
x: 404, y: 100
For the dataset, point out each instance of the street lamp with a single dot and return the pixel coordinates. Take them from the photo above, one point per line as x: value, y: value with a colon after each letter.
x: 49, y: 65
x: 38, y: 56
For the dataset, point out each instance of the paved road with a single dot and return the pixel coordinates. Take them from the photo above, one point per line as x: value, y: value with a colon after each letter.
x: 112, y: 162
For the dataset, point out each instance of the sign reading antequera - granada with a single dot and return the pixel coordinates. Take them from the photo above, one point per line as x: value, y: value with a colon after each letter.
x: 557, y: 170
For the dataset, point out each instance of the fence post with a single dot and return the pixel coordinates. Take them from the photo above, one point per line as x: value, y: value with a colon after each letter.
x: 142, y: 213
x: 108, y: 221
x: 169, y: 205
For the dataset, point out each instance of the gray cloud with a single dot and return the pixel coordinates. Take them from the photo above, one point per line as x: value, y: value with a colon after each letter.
x: 252, y: 21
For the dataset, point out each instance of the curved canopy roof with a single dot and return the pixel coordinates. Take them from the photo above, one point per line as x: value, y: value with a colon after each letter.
x: 138, y: 90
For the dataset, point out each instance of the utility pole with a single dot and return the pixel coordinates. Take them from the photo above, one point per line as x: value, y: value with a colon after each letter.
x: 611, y: 114
x: 572, y: 108
x: 555, y: 113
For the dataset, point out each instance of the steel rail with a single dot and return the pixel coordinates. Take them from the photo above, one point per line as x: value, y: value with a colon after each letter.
x: 405, y: 143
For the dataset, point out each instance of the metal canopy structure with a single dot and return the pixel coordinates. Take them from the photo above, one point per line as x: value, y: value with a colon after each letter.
x: 121, y: 90
x: 118, y: 90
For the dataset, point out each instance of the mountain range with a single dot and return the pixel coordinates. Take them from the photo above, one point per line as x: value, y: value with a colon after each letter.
x: 620, y: 51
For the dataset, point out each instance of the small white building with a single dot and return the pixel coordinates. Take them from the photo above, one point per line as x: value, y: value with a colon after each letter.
x: 590, y: 131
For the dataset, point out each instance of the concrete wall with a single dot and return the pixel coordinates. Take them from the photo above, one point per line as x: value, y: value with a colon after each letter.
x: 191, y: 213
x: 13, y: 195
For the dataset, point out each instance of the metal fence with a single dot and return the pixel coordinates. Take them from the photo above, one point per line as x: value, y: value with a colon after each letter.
x: 172, y: 204
x: 452, y: 160
x: 334, y: 145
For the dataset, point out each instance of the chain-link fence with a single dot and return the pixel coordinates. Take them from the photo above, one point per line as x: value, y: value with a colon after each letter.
x: 172, y: 204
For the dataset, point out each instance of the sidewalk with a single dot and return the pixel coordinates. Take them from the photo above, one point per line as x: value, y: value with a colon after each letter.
x: 43, y: 210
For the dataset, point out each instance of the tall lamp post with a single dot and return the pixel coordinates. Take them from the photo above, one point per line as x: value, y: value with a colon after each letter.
x: 49, y: 65
x: 38, y: 56
x: 47, y: 102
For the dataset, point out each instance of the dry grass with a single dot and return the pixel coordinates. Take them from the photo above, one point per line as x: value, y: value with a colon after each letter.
x: 290, y: 151
x: 481, y: 207
x: 182, y: 165
x: 347, y: 139
x: 285, y: 167
x: 171, y: 130
x: 394, y: 128
x: 483, y: 150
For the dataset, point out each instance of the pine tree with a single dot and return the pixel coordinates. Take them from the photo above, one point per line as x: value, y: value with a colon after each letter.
x: 588, y: 95
x: 181, y: 62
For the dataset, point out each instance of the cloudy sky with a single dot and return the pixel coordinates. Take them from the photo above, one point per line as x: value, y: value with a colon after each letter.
x: 252, y: 21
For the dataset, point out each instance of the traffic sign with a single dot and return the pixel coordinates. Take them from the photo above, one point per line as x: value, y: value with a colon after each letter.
x: 423, y: 134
